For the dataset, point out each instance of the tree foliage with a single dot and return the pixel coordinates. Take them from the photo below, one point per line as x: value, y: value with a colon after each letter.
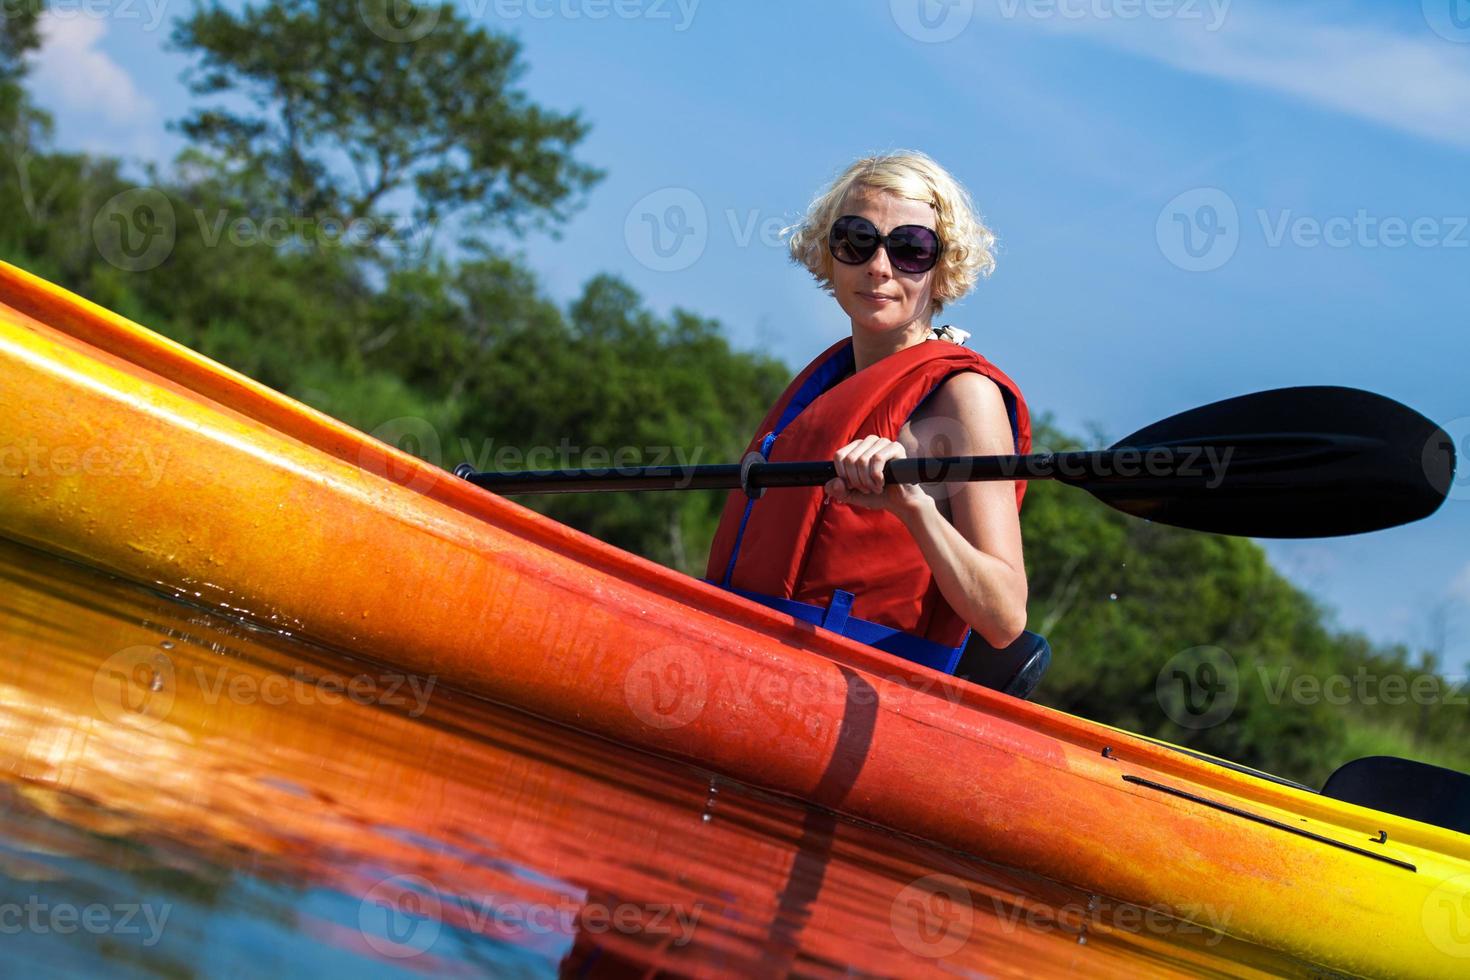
x: 20, y: 34
x: 356, y: 118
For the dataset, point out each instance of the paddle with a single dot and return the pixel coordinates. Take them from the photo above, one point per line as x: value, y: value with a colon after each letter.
x: 1289, y: 463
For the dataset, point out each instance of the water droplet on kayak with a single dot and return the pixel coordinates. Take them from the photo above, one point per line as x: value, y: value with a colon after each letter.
x: 167, y: 644
x: 707, y: 817
x: 157, y: 684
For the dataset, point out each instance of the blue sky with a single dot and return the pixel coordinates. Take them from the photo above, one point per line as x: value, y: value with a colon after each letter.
x: 1314, y: 153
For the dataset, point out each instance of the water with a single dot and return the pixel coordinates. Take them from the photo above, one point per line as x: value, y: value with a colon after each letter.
x: 183, y: 795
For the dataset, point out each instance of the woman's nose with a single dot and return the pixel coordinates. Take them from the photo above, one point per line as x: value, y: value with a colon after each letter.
x: 878, y: 264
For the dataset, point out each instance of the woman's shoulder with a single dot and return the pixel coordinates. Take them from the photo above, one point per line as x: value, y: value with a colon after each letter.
x: 966, y: 415
x: 966, y: 393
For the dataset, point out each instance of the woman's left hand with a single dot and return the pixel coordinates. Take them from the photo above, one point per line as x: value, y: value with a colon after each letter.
x: 860, y: 482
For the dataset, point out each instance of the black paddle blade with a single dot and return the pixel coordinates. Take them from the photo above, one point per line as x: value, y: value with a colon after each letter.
x: 1290, y: 463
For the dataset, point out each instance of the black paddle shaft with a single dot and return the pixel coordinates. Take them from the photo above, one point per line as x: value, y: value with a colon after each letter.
x: 1288, y: 463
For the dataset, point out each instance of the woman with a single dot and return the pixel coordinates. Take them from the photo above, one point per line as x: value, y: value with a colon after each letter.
x: 908, y: 568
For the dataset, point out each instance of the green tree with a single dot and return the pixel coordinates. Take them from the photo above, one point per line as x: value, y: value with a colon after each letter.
x: 20, y: 36
x: 354, y: 118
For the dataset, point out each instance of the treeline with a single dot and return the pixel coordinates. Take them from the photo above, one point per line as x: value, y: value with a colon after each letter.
x: 344, y: 242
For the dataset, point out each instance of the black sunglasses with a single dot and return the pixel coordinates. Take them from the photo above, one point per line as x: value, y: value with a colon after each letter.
x: 911, y: 248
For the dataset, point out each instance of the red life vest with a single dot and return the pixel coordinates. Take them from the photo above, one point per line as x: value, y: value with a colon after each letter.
x: 789, y: 544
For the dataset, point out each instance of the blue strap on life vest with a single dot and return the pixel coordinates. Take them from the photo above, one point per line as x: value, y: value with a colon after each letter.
x: 836, y: 616
x: 834, y: 369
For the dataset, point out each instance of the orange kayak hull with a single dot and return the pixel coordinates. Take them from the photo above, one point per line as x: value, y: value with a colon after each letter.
x: 135, y: 455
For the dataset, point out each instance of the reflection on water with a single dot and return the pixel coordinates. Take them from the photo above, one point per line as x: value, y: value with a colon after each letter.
x: 181, y: 794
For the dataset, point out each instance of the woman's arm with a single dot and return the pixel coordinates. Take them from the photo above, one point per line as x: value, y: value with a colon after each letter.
x: 975, y: 554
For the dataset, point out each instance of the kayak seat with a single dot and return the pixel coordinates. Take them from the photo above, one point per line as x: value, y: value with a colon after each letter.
x: 1417, y: 790
x: 1014, y: 670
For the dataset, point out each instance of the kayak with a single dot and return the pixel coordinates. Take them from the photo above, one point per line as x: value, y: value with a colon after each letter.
x: 129, y: 452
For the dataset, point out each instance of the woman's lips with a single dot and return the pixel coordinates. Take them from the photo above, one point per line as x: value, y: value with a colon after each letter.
x: 876, y: 299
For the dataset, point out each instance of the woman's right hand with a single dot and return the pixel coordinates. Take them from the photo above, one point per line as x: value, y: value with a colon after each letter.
x: 859, y: 481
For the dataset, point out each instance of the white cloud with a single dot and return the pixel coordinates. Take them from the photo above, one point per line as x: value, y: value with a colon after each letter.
x: 1460, y: 587
x: 1415, y: 82
x: 71, y: 72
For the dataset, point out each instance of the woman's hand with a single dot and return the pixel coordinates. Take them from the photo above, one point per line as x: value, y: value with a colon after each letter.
x: 860, y: 482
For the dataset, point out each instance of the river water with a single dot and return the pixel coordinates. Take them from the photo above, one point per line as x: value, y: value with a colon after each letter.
x: 185, y: 795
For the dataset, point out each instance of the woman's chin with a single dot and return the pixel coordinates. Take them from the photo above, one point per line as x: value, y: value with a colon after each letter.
x: 880, y: 322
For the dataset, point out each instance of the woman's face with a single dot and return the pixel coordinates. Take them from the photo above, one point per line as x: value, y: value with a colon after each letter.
x: 878, y: 297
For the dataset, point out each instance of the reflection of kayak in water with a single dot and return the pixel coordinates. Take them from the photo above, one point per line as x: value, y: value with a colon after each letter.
x: 458, y: 836
x: 261, y: 507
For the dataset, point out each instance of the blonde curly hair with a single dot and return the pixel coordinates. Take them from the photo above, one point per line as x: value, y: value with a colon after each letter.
x: 968, y: 244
